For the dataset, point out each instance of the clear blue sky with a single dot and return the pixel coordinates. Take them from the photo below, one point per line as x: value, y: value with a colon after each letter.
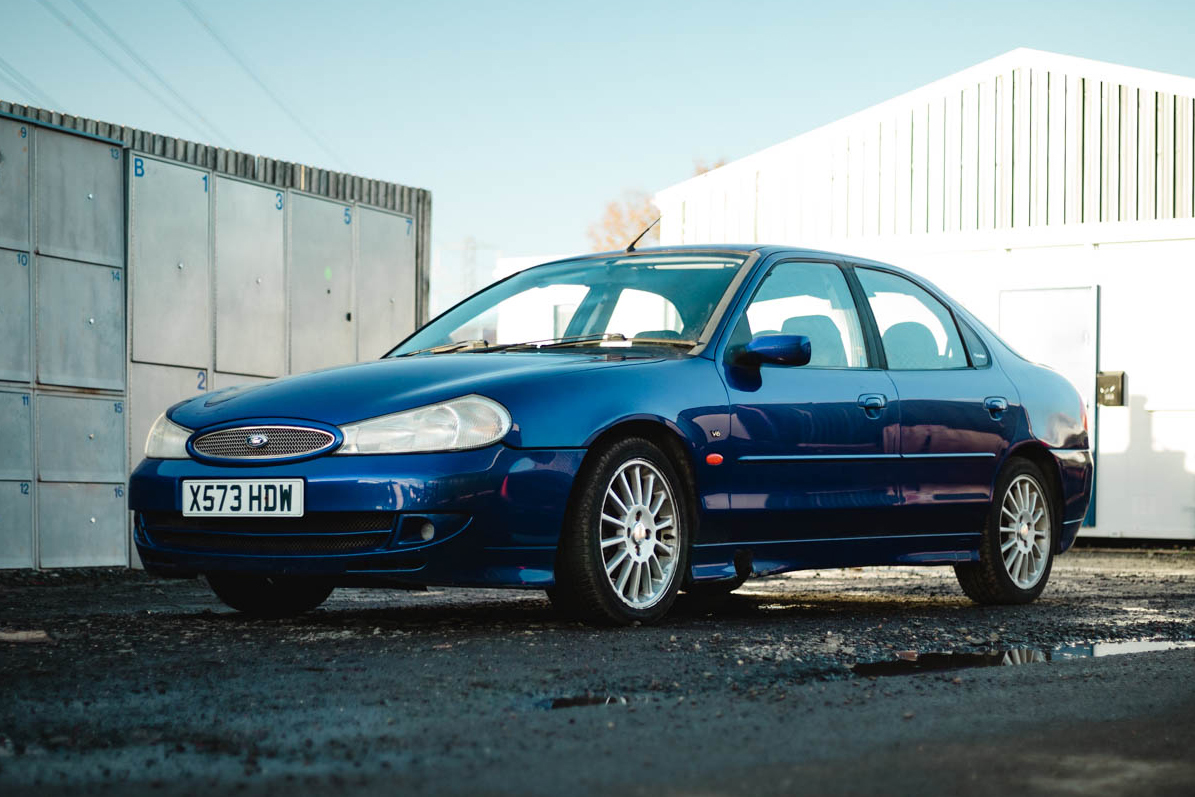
x: 524, y: 119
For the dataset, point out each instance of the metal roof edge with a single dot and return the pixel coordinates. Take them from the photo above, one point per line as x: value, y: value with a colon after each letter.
x: 261, y: 168
x: 1018, y: 58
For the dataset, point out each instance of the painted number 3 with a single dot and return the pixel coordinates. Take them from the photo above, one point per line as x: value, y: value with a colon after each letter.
x: 278, y: 200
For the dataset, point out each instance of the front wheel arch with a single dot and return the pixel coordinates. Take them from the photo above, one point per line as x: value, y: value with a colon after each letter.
x: 680, y: 454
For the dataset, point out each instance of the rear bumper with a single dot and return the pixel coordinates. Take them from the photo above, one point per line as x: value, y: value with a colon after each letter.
x: 495, y: 516
x: 1076, y: 472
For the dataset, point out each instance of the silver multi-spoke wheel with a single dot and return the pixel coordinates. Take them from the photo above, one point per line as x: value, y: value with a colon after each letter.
x: 1025, y: 531
x: 639, y: 536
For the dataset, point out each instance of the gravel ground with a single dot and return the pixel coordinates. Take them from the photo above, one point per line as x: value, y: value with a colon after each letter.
x: 149, y: 686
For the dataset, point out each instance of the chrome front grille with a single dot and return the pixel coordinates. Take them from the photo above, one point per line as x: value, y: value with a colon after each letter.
x: 280, y: 441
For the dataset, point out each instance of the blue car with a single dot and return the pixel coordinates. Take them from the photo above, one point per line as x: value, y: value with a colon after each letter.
x: 616, y: 428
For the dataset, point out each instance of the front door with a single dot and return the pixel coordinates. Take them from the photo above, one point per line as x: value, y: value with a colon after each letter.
x: 815, y: 445
x: 958, y: 411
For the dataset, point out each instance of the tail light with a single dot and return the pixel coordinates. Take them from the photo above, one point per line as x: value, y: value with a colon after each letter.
x: 1083, y: 409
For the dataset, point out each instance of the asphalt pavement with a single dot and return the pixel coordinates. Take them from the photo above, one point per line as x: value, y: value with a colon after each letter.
x: 823, y: 682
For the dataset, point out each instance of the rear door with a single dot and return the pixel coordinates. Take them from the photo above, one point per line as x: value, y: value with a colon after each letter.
x: 958, y: 411
x: 815, y: 445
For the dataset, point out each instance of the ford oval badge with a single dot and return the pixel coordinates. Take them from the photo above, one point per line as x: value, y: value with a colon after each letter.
x: 256, y: 440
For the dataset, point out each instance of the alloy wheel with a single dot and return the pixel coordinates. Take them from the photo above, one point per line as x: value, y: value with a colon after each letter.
x: 1025, y: 531
x: 639, y: 541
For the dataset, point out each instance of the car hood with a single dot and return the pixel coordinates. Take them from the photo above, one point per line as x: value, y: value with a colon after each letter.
x: 366, y: 390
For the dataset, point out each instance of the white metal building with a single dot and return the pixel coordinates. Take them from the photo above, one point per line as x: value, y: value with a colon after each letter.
x: 1054, y: 197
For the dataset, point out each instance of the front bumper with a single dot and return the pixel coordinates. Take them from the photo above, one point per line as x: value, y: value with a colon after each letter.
x: 495, y: 515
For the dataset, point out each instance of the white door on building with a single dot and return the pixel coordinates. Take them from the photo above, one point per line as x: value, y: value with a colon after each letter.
x: 1058, y: 327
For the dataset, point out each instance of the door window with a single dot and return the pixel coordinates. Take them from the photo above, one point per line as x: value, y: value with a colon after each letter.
x: 810, y: 299
x: 917, y: 330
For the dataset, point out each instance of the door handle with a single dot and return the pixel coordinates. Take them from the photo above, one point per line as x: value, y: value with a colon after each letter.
x: 873, y: 403
x: 995, y: 405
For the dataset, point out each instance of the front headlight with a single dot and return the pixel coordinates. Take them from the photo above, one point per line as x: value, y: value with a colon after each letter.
x: 467, y: 422
x: 166, y: 440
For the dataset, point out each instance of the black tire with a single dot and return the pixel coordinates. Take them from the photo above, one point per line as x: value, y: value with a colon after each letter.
x: 269, y: 596
x: 583, y: 590
x: 989, y: 581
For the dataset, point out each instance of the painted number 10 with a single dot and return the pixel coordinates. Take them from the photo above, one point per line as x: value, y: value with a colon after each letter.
x: 22, y: 259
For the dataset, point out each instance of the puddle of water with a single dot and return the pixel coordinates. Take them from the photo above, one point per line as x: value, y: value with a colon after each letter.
x: 908, y: 663
x: 578, y: 701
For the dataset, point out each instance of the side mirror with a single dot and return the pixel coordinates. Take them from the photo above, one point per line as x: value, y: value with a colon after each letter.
x: 777, y: 350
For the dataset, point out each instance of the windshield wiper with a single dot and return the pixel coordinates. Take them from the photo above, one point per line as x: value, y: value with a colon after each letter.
x: 550, y: 343
x: 593, y: 338
x: 444, y: 348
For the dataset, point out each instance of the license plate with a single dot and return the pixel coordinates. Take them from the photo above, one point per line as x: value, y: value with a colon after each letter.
x: 243, y: 498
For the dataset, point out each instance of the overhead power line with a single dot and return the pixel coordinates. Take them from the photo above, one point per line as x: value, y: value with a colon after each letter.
x: 24, y: 84
x: 249, y: 71
x: 119, y: 66
x: 132, y: 54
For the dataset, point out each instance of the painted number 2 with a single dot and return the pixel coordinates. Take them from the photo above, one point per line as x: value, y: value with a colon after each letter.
x: 201, y: 380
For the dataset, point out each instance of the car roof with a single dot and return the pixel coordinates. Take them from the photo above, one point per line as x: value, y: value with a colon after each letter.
x: 762, y: 250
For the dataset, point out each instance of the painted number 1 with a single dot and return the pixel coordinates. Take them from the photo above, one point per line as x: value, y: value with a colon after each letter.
x: 205, y: 183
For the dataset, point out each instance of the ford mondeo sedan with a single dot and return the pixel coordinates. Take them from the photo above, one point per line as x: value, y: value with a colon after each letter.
x: 616, y: 428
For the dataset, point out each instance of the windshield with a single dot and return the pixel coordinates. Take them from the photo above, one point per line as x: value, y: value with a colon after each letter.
x: 658, y: 299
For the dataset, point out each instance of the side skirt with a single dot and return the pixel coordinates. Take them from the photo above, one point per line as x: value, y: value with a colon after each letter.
x: 716, y: 562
